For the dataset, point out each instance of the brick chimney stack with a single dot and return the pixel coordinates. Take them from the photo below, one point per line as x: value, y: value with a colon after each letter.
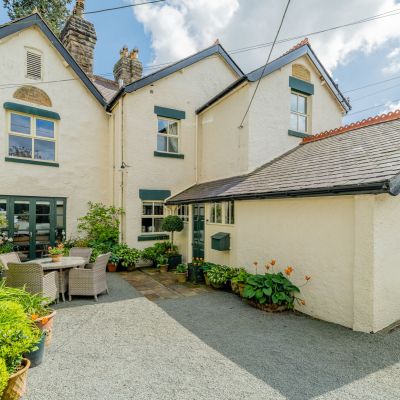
x: 128, y: 68
x: 79, y: 38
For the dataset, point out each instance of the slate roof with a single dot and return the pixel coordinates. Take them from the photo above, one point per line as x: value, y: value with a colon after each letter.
x: 293, y: 54
x: 365, y: 159
x: 35, y: 19
x: 107, y: 87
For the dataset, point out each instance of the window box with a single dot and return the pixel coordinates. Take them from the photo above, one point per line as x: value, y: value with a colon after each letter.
x: 221, y: 241
x: 143, y: 238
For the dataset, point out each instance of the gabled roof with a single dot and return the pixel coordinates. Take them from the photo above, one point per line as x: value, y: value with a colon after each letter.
x: 362, y: 158
x: 107, y: 87
x: 36, y: 20
x: 170, y: 69
x: 299, y: 50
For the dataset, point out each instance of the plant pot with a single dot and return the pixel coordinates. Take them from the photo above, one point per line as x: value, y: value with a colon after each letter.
x: 217, y: 285
x: 56, y: 258
x: 271, y: 308
x: 174, y: 261
x: 131, y: 267
x: 195, y: 274
x: 241, y: 288
x: 164, y: 268
x: 16, y: 386
x: 181, y: 277
x: 111, y: 267
x: 36, y: 356
x: 235, y: 287
x: 46, y: 324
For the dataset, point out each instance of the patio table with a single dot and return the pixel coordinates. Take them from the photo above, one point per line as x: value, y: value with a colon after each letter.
x: 66, y: 263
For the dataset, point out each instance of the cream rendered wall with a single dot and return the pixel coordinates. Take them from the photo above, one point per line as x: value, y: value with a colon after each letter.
x: 184, y: 90
x: 269, y: 117
x: 84, y: 152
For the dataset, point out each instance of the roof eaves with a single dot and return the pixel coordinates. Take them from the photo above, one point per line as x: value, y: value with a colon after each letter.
x: 35, y: 19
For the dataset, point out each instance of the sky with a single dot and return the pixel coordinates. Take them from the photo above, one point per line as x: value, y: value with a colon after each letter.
x: 356, y: 56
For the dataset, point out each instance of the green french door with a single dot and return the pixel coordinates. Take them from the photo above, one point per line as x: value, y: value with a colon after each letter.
x: 198, y: 230
x: 34, y: 223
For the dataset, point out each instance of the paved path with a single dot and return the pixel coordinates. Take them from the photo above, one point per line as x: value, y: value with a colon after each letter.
x: 209, y: 346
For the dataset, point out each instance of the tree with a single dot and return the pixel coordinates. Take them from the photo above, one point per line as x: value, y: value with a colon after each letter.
x: 172, y: 224
x: 55, y: 12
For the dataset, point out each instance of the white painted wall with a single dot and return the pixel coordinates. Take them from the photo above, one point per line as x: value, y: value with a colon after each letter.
x: 84, y: 151
x: 184, y: 90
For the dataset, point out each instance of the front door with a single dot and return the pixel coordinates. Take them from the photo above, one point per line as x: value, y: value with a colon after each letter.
x: 33, y: 223
x: 198, y: 231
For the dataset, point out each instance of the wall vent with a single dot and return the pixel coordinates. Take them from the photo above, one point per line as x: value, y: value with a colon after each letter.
x: 33, y: 65
x: 301, y: 72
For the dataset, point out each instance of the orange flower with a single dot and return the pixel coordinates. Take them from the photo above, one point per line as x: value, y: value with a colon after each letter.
x: 307, y: 277
x: 303, y: 303
x: 34, y: 317
x: 273, y: 262
x: 288, y: 270
x: 45, y: 320
x: 267, y: 266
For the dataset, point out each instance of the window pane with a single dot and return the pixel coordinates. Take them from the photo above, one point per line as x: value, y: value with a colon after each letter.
x: 173, y: 128
x: 42, y: 207
x: 162, y: 126
x: 147, y: 208
x: 293, y: 102
x: 158, y: 209
x: 161, y: 143
x: 293, y: 122
x: 45, y: 150
x: 157, y: 224
x: 301, y: 104
x: 302, y: 123
x: 147, y: 225
x: 60, y: 214
x: 3, y: 213
x: 20, y: 124
x: 20, y: 147
x: 218, y: 213
x: 44, y: 128
x: 173, y: 145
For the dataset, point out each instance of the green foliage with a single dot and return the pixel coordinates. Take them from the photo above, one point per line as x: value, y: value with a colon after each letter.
x: 32, y: 304
x: 181, y: 268
x: 219, y: 274
x: 3, y: 221
x: 159, y: 249
x: 162, y: 260
x: 6, y: 243
x: 55, y: 12
x: 241, y: 277
x: 172, y: 223
x: 101, y: 224
x: 271, y: 289
x: 18, y: 334
x: 126, y: 255
x: 4, y: 375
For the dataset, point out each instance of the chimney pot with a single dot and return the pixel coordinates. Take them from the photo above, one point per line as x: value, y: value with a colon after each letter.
x: 128, y: 68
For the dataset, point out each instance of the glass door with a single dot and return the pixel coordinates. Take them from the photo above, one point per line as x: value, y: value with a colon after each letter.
x: 43, y: 230
x: 21, y: 227
x: 198, y: 231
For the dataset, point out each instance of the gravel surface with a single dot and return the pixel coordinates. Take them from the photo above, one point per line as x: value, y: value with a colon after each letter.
x: 210, y: 347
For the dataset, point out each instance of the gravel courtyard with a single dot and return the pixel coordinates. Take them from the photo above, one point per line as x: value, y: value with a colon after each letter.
x: 208, y: 346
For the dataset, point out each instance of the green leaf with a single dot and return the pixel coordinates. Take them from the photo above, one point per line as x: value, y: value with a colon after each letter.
x: 267, y: 291
x: 259, y: 294
x: 248, y: 292
x: 275, y: 298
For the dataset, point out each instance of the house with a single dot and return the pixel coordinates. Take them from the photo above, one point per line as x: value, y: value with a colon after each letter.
x: 269, y: 186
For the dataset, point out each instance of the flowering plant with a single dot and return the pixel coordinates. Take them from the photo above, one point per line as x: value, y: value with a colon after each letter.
x: 198, y: 261
x: 57, y: 250
x: 6, y: 244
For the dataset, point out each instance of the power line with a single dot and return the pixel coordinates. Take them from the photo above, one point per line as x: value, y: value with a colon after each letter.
x: 373, y: 93
x: 12, y: 85
x: 371, y: 108
x: 371, y: 84
x: 121, y: 7
x: 266, y: 63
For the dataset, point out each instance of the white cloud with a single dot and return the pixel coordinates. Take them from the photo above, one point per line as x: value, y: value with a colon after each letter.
x: 389, y: 106
x: 181, y: 27
x: 394, y: 53
x: 394, y: 65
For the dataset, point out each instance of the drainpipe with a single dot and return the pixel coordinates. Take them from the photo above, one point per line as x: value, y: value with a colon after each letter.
x: 122, y: 171
x: 196, y: 146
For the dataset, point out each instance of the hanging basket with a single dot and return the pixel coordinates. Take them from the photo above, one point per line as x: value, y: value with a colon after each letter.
x: 16, y: 386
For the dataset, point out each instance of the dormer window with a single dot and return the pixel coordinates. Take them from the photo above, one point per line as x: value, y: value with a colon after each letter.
x: 34, y: 69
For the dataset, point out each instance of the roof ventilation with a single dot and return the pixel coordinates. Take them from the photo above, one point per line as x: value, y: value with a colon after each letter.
x: 33, y: 65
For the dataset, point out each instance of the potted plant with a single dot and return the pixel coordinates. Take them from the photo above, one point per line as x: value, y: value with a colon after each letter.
x: 128, y: 256
x: 18, y: 335
x: 162, y: 263
x: 4, y: 376
x: 113, y: 263
x: 56, y: 253
x: 181, y: 273
x: 172, y: 224
x: 195, y: 270
x: 218, y: 276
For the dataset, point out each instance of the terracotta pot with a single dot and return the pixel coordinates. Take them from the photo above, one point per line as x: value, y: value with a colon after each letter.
x: 164, y: 268
x: 181, y: 277
x: 46, y: 324
x: 271, y: 308
x: 111, y: 267
x: 56, y: 258
x: 16, y: 386
x: 241, y: 288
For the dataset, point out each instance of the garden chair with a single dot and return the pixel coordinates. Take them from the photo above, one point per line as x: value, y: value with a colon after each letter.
x: 32, y: 277
x: 84, y: 252
x: 8, y: 258
x: 89, y: 282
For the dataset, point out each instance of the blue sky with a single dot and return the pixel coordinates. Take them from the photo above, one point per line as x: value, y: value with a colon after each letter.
x: 356, y: 56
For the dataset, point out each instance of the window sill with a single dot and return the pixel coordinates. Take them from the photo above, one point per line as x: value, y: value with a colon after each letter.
x: 33, y: 162
x: 153, y: 236
x: 298, y: 134
x: 168, y: 155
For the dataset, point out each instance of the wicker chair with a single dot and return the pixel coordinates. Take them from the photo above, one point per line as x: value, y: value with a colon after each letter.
x: 84, y: 252
x: 8, y: 258
x: 89, y: 282
x: 32, y: 277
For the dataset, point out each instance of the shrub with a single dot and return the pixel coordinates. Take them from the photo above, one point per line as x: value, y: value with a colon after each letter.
x: 18, y: 334
x: 181, y: 268
x: 241, y: 277
x: 162, y: 260
x: 127, y: 256
x: 159, y: 249
x: 4, y: 375
x: 101, y: 223
x: 219, y: 274
x: 172, y: 224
